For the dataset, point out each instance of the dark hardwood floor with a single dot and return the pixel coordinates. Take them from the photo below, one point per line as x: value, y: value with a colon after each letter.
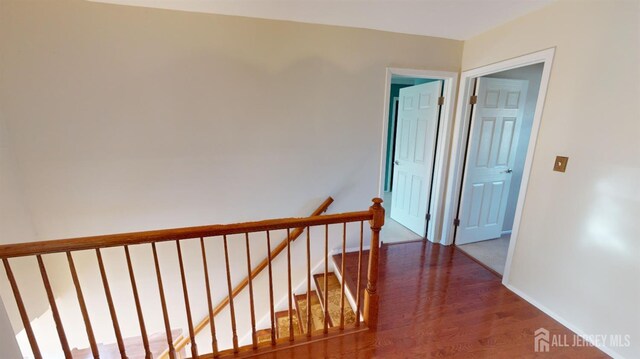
x: 435, y: 302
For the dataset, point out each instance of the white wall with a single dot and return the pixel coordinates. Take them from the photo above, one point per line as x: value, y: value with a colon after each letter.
x: 126, y: 119
x: 15, y: 226
x: 577, y: 253
x: 172, y: 118
x: 533, y: 74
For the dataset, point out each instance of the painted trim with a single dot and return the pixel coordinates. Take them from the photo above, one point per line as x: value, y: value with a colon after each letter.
x: 394, y: 105
x: 609, y: 351
x: 459, y: 142
x: 444, y: 140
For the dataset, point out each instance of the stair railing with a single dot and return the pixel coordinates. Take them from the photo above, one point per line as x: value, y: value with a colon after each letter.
x: 375, y: 217
x: 184, y: 341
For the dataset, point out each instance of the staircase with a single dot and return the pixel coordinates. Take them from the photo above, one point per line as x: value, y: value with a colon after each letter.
x: 318, y: 308
x: 323, y: 311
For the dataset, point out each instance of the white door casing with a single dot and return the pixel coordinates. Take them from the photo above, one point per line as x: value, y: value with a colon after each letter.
x: 414, y: 154
x: 495, y: 130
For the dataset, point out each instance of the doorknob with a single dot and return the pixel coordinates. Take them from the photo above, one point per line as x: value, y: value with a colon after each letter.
x: 396, y: 162
x: 508, y: 170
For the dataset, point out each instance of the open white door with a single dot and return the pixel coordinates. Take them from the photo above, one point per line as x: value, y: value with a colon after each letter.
x: 415, y: 148
x: 495, y: 129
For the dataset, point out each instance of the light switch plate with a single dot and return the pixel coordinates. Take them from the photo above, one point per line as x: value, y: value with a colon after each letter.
x: 560, y: 164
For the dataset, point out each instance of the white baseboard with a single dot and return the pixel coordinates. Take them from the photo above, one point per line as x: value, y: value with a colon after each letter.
x: 609, y: 351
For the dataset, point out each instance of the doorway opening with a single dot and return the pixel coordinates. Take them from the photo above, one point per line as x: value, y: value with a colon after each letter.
x: 500, y: 129
x: 500, y: 108
x: 417, y: 118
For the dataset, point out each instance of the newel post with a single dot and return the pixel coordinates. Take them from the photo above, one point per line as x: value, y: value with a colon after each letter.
x: 371, y: 293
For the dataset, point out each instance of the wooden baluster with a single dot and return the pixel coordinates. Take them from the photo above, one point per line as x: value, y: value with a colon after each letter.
x: 371, y: 293
x: 344, y: 253
x: 358, y: 282
x: 165, y: 314
x: 254, y: 337
x: 308, y: 314
x: 290, y: 292
x: 112, y: 308
x: 192, y: 335
x: 136, y: 298
x: 231, y: 308
x: 326, y: 281
x: 54, y: 308
x: 271, y: 304
x: 83, y: 307
x: 22, y: 310
x: 214, y: 340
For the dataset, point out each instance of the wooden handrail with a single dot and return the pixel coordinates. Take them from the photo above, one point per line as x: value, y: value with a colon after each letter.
x: 163, y: 235
x: 179, y: 345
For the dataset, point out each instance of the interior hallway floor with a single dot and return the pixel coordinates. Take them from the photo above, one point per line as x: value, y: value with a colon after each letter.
x: 492, y: 253
x: 436, y: 302
x: 392, y: 231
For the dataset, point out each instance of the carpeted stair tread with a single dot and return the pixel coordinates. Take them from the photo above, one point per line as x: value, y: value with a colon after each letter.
x: 317, y: 314
x: 282, y: 324
x: 334, y: 289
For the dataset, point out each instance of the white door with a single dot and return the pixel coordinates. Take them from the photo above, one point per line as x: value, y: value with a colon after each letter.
x: 415, y: 148
x: 495, y: 129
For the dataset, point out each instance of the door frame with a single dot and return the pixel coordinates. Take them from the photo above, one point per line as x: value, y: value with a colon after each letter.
x: 461, y: 134
x: 394, y: 126
x: 449, y: 86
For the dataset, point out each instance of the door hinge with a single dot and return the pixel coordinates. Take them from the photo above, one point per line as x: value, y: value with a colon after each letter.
x: 428, y: 217
x: 473, y: 100
x: 441, y: 100
x: 456, y: 222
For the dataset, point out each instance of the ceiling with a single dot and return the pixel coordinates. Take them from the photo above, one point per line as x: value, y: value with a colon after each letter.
x: 453, y: 19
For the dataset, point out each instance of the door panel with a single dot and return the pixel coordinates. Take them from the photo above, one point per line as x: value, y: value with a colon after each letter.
x: 475, y: 202
x: 505, y: 147
x: 495, y: 127
x: 415, y: 149
x: 493, y: 207
x: 486, y: 140
x: 421, y: 142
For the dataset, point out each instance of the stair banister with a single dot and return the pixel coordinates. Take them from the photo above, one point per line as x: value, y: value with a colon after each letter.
x: 174, y: 340
x: 371, y: 293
